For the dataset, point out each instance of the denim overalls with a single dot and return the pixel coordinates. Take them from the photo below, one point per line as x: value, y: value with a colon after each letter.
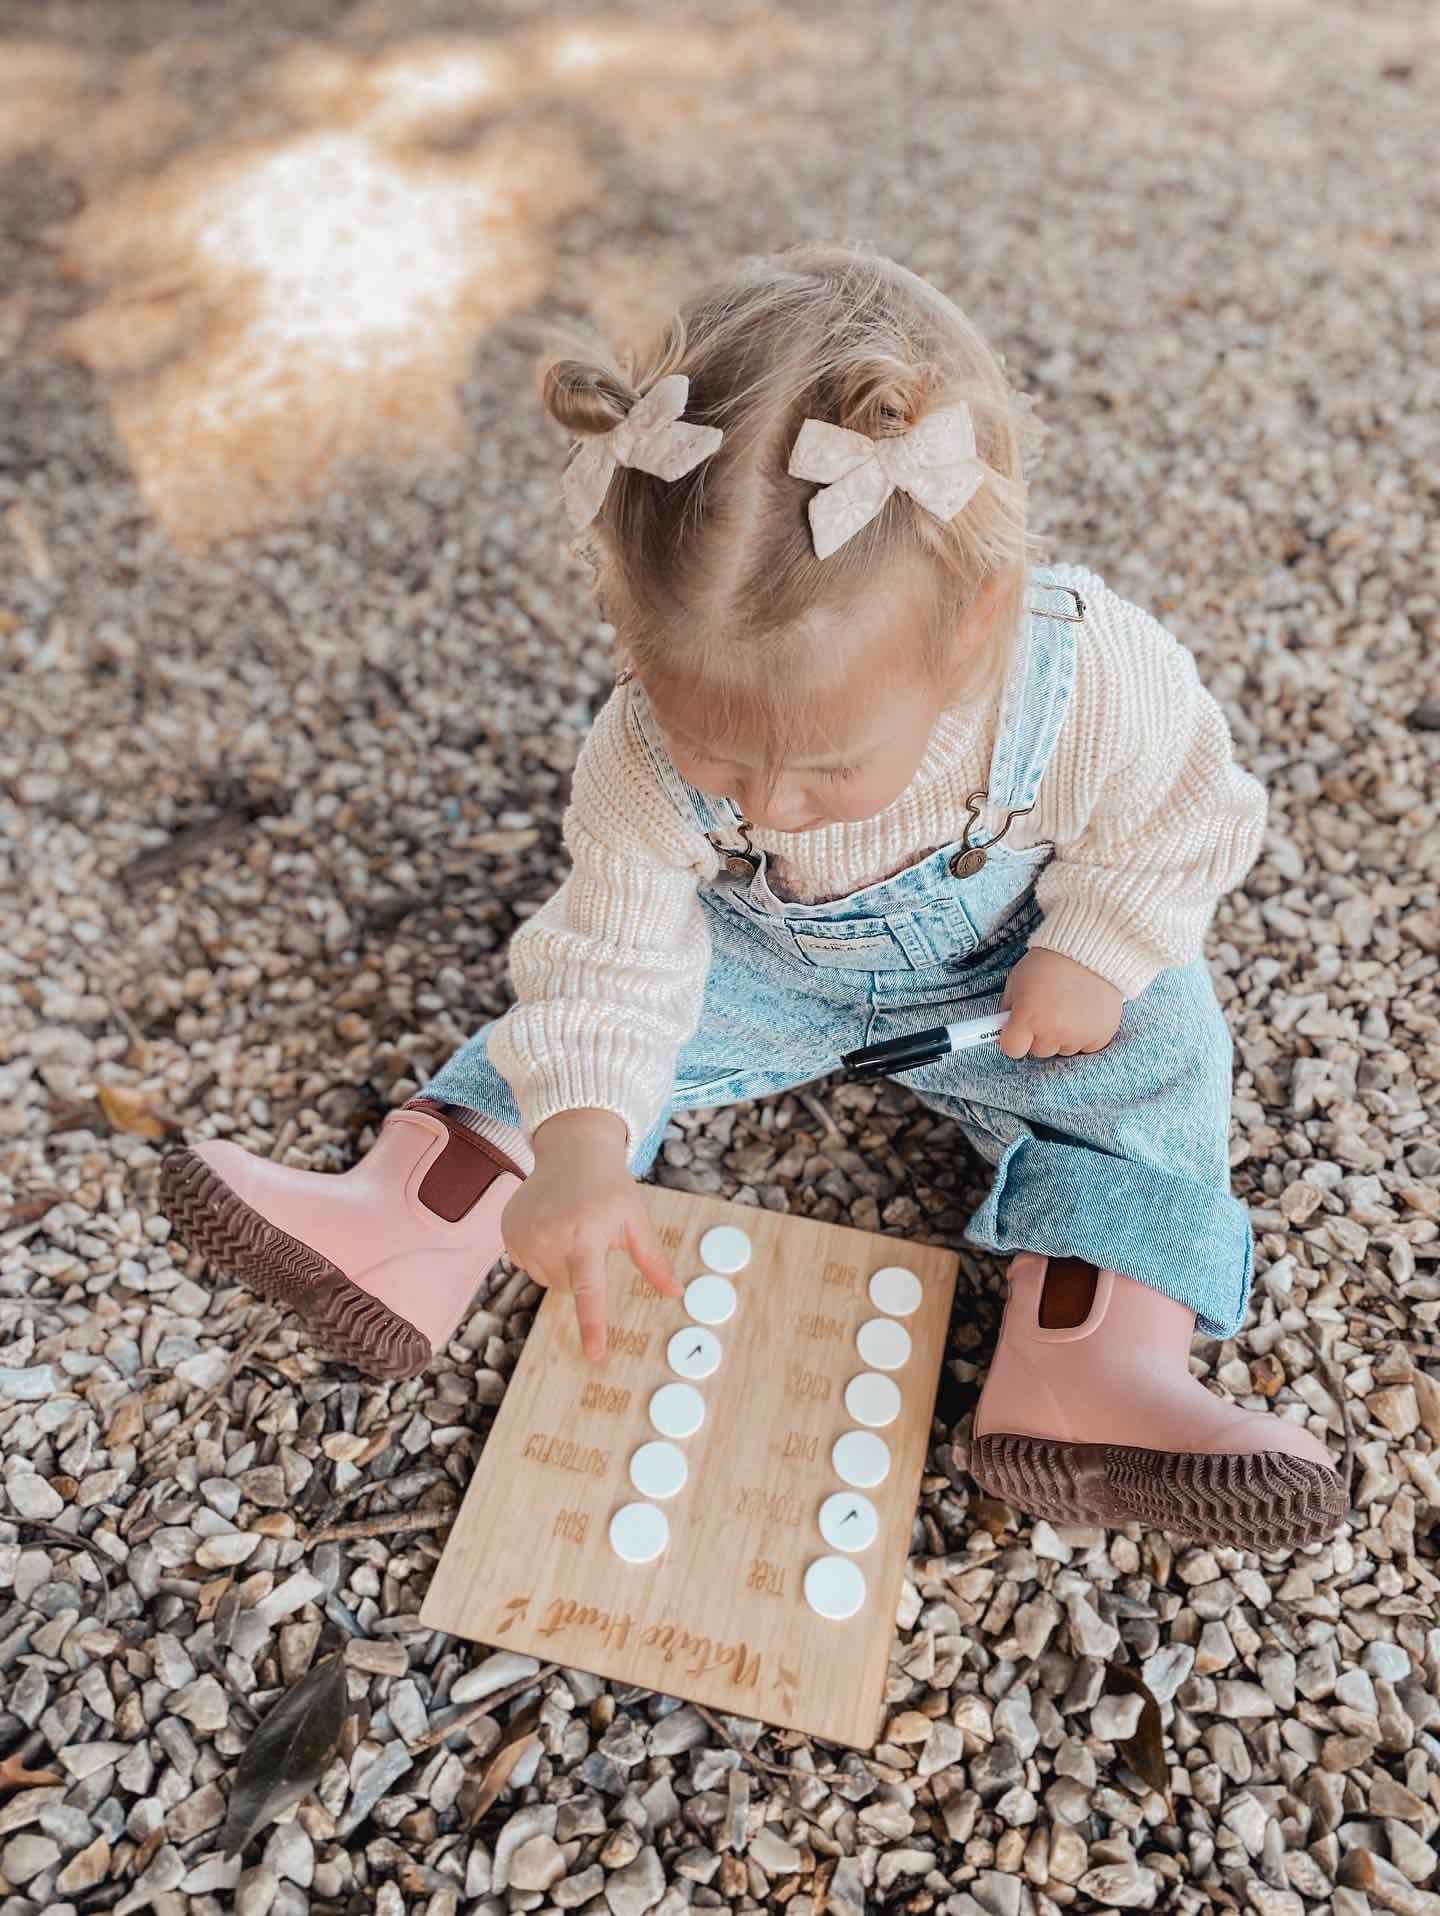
x: 1121, y: 1158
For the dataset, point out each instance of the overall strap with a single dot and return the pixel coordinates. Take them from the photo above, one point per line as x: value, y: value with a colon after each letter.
x: 710, y: 814
x: 1037, y: 691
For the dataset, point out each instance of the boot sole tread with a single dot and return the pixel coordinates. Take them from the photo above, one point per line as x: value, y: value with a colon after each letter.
x: 1262, y: 1501
x: 344, y: 1320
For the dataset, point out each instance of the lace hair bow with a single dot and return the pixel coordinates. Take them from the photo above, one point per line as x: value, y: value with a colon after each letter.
x: 934, y: 462
x: 653, y: 438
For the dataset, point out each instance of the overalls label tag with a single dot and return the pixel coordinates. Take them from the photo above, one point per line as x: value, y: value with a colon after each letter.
x: 861, y: 951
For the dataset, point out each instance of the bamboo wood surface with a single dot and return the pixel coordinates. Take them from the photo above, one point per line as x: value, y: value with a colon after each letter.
x: 720, y: 1618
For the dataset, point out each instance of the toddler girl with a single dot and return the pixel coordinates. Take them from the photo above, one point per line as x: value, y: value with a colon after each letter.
x: 868, y: 768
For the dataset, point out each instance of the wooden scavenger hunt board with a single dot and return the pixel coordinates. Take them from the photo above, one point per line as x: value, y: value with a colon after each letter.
x: 720, y: 1617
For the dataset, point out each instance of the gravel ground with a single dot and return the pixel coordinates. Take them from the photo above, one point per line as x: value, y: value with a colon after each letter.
x: 296, y: 667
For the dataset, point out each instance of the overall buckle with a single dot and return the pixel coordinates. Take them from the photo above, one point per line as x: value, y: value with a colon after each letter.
x: 970, y: 859
x: 1066, y: 618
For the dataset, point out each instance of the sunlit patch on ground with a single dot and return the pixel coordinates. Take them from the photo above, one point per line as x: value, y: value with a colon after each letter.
x: 316, y: 315
x: 292, y: 264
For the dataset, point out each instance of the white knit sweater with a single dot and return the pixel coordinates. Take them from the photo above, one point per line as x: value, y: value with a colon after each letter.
x: 1150, y: 819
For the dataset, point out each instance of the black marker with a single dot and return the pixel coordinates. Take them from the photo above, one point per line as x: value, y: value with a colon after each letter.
x: 921, y: 1047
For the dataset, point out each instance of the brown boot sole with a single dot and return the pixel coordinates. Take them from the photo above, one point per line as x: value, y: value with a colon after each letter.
x: 1265, y: 1501
x: 346, y: 1322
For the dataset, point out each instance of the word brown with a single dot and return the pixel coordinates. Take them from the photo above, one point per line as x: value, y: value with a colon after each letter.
x: 606, y: 1397
x: 630, y: 1343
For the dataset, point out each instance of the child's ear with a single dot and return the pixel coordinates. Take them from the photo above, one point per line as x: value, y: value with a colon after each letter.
x: 985, y: 600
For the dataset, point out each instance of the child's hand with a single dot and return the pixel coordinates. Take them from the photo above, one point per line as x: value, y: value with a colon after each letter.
x: 579, y: 1204
x: 1057, y: 1008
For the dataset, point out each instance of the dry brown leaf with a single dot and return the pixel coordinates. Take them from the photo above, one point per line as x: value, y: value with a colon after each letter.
x: 289, y: 1752
x: 15, y: 1776
x: 29, y: 1210
x: 145, y: 1855
x: 1145, y: 1750
x: 209, y: 1598
x: 518, y: 1737
x: 127, y: 1110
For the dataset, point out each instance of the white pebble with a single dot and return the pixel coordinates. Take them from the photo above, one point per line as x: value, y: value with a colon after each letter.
x: 27, y: 1386
x: 31, y: 1496
x: 496, y: 1672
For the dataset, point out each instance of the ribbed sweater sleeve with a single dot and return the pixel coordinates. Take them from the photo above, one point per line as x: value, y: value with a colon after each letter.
x: 1151, y: 818
x: 609, y: 974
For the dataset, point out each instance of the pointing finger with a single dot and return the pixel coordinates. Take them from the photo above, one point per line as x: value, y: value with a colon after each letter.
x: 587, y: 1281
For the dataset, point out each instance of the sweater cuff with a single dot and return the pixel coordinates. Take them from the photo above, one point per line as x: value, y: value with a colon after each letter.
x: 540, y: 1102
x: 1092, y: 938
x: 591, y: 1071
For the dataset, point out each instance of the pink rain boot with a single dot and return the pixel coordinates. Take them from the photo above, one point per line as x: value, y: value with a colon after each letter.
x: 381, y: 1260
x: 1090, y: 1416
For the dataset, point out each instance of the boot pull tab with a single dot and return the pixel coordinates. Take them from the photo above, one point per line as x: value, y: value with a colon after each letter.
x: 1067, y: 1295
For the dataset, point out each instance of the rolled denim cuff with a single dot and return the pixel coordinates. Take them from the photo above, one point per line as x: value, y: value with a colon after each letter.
x: 1189, y: 1240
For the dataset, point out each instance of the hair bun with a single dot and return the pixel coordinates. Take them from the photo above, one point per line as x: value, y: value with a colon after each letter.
x: 586, y: 398
x: 882, y: 397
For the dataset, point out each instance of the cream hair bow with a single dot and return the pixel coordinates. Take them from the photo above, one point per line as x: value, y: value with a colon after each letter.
x: 934, y: 463
x: 652, y: 438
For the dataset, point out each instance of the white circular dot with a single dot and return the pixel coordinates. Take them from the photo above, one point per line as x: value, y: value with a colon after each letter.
x: 694, y: 1352
x: 883, y: 1344
x: 861, y: 1458
x: 658, y: 1469
x: 639, y: 1532
x: 849, y: 1521
x: 873, y: 1399
x: 726, y: 1248
x: 677, y: 1410
x: 834, y: 1587
x: 710, y: 1299
x: 896, y: 1290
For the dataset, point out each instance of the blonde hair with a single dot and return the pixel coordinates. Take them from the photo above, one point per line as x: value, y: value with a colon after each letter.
x: 712, y: 580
